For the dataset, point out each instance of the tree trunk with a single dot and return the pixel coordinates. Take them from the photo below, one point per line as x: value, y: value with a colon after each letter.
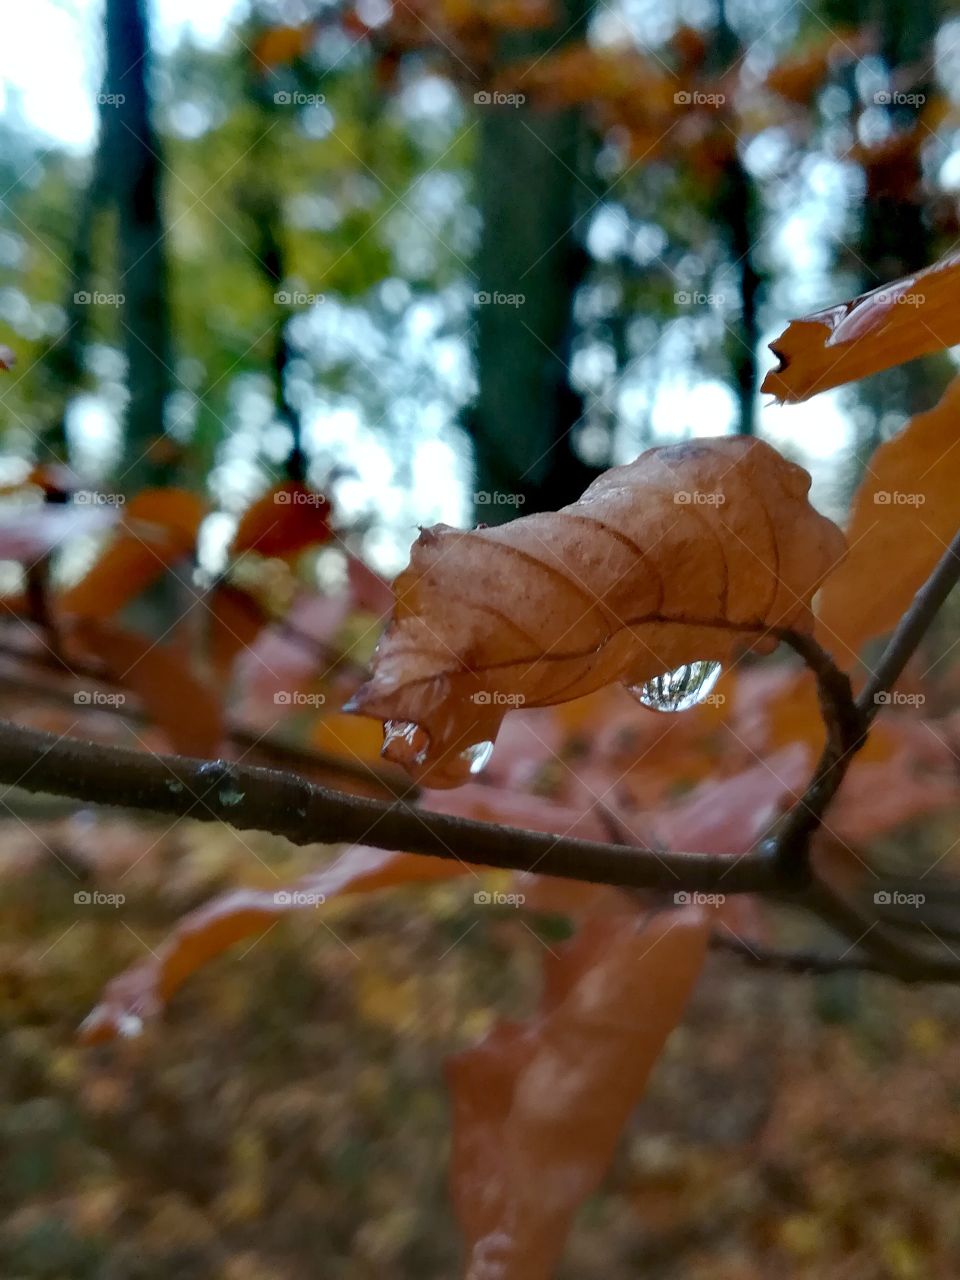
x: 530, y: 264
x: 135, y: 164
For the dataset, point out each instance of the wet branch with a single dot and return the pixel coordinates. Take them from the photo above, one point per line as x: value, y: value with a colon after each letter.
x: 288, y: 805
x: 284, y: 803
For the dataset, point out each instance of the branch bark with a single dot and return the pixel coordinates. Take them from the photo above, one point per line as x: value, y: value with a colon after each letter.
x: 286, y: 804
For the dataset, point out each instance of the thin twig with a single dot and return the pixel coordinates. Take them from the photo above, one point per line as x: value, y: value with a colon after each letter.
x: 846, y: 734
x: 800, y: 962
x: 911, y: 629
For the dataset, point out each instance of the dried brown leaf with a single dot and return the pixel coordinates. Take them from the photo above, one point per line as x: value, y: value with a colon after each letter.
x: 903, y: 517
x: 143, y: 990
x: 538, y: 1109
x: 888, y: 326
x: 692, y: 552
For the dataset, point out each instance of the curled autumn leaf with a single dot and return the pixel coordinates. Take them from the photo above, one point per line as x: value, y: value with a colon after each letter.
x: 694, y: 552
x: 886, y: 327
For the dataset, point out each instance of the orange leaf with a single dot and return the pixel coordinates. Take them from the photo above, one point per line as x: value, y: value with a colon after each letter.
x: 886, y: 327
x: 692, y: 552
x: 538, y: 1109
x: 904, y: 515
x: 143, y: 990
x: 284, y: 520
x: 798, y: 78
x: 186, y: 709
x: 729, y: 815
x: 279, y: 46
x: 235, y: 622
x: 159, y: 527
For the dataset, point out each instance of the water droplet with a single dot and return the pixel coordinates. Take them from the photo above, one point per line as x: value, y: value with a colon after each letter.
x: 129, y: 1025
x: 229, y: 796
x: 404, y: 742
x: 678, y: 690
x: 477, y: 757
x: 174, y: 785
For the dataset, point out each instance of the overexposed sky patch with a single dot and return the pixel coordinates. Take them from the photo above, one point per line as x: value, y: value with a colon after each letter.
x: 50, y: 56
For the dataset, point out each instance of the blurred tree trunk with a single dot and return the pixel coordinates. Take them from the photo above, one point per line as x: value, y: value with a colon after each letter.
x: 896, y: 235
x: 737, y: 210
x: 134, y: 163
x: 533, y: 178
x: 65, y: 360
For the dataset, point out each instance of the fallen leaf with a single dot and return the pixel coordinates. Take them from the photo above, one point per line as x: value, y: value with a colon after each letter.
x: 692, y: 552
x: 538, y: 1109
x: 904, y: 515
x: 888, y: 326
x: 142, y: 991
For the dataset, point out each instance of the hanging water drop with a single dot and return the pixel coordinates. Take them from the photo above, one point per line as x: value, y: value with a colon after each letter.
x: 129, y: 1025
x: 478, y: 756
x: 404, y: 742
x: 678, y: 690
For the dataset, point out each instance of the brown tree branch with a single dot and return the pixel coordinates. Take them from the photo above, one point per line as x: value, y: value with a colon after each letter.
x: 846, y: 734
x: 799, y: 962
x: 286, y: 804
x: 911, y: 629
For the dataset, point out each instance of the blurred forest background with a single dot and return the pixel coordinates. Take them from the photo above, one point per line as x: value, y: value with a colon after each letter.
x: 434, y: 260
